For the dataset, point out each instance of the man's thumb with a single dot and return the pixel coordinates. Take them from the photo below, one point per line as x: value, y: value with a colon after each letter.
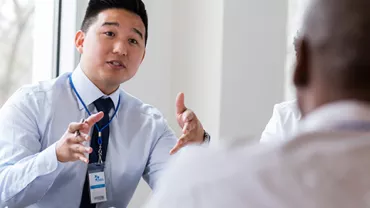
x: 180, y: 103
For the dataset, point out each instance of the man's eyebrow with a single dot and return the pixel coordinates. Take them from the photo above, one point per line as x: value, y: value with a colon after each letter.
x: 138, y: 32
x: 117, y: 25
x: 110, y: 24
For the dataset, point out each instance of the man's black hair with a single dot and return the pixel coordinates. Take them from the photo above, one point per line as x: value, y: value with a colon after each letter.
x: 97, y: 6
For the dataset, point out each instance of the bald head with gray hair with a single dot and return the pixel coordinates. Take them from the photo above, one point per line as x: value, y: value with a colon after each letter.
x: 333, y: 53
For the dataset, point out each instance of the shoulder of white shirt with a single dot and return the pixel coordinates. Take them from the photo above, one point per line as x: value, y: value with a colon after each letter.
x: 288, y: 108
x: 40, y: 89
x: 140, y: 106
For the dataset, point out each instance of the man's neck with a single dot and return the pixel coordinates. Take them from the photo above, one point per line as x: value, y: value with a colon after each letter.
x: 103, y: 87
x: 107, y: 90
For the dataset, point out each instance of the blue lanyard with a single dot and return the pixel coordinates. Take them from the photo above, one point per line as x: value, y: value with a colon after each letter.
x: 100, y: 141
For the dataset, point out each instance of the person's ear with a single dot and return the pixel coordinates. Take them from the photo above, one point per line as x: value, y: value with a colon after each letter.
x: 142, y: 59
x: 79, y: 41
x: 301, y: 73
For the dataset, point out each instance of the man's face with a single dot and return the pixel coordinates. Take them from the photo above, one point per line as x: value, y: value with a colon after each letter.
x: 113, y: 47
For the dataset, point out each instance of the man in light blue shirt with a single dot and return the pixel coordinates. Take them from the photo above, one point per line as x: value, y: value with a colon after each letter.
x: 44, y: 150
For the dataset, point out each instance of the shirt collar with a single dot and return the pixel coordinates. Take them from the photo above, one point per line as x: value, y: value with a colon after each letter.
x: 88, y: 91
x: 335, y: 114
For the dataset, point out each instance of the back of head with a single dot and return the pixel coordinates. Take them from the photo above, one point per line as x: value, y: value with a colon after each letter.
x: 333, y: 60
x: 96, y: 6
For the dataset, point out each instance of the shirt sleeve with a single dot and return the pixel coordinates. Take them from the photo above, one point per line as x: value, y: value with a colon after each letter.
x: 274, y: 128
x: 26, y: 172
x: 159, y: 154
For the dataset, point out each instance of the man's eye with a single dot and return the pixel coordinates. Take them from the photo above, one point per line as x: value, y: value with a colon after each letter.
x: 110, y: 34
x: 133, y: 41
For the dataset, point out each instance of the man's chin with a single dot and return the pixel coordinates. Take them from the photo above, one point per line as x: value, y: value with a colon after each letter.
x: 116, y: 77
x: 118, y: 82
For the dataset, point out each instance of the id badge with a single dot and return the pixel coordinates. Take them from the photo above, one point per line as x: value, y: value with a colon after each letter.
x: 98, y: 192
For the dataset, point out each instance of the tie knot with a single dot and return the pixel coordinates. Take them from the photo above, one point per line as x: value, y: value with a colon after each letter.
x: 104, y: 104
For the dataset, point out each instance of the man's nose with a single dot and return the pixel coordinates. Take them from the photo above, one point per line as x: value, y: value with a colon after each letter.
x: 120, y: 48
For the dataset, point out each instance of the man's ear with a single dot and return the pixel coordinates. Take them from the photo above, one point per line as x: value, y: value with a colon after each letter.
x: 143, y: 56
x: 79, y: 41
x: 301, y: 74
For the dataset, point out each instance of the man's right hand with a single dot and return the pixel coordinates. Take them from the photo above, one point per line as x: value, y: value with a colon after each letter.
x: 70, y: 148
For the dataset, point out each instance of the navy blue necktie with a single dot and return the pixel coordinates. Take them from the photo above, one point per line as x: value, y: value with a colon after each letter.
x: 104, y: 105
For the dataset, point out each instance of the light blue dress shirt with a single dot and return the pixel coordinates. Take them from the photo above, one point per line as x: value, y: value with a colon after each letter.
x: 36, y: 117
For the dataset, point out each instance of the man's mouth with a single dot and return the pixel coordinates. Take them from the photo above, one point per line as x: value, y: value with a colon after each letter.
x: 116, y: 64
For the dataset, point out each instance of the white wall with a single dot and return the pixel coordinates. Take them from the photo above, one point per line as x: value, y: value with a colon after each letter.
x: 253, y: 64
x: 69, y: 27
x: 43, y: 33
x: 197, y: 57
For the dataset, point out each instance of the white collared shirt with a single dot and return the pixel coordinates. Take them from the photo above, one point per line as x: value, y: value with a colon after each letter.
x: 37, y: 116
x: 324, y: 166
x: 283, y: 122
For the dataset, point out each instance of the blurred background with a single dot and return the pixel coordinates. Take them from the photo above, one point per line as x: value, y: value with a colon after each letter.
x: 232, y: 58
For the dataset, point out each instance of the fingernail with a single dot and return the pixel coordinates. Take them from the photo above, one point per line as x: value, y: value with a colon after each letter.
x: 87, y: 149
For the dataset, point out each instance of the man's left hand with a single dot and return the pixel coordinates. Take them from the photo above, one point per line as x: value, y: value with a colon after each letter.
x: 192, y: 129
